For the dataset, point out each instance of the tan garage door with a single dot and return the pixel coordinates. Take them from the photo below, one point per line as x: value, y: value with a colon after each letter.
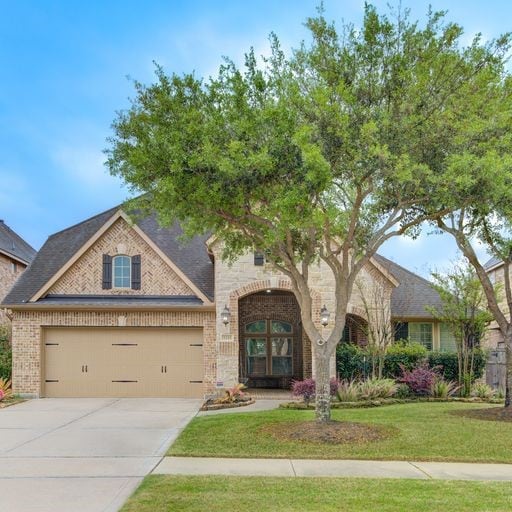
x: 123, y: 362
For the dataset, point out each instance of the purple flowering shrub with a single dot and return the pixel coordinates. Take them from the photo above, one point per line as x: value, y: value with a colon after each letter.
x: 306, y: 389
x: 420, y: 379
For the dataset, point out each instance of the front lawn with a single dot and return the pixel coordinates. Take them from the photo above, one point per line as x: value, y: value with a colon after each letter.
x: 162, y: 493
x: 420, y: 431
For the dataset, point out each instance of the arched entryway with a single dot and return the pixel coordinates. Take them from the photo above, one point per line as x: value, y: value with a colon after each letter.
x: 273, y: 348
x: 356, y: 331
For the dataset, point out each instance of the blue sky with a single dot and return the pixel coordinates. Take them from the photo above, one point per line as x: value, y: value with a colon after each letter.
x: 64, y: 75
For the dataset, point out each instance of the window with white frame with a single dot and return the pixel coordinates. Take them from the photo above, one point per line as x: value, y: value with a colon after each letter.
x: 122, y: 271
x: 421, y: 332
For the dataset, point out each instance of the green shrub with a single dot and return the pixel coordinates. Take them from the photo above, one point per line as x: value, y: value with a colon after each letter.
x: 402, y: 391
x: 372, y: 389
x: 5, y: 355
x: 443, y: 389
x: 449, y: 366
x: 348, y: 391
x: 353, y: 362
x: 403, y: 354
x: 483, y: 391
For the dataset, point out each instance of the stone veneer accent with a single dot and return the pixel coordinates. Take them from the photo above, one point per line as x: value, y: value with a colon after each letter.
x: 85, y: 276
x: 241, y: 278
x: 8, y: 277
x: 27, y: 329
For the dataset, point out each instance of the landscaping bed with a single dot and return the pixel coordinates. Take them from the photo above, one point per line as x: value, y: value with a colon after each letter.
x: 361, y: 404
x: 163, y: 493
x: 210, y: 405
x: 423, y: 431
x: 7, y: 402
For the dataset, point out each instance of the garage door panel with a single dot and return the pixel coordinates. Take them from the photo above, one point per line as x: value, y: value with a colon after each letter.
x: 165, y: 362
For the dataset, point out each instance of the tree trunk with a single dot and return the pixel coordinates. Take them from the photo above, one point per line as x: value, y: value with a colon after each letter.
x: 508, y: 363
x: 323, y: 392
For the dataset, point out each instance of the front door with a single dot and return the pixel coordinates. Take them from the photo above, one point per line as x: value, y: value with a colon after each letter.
x: 269, y: 352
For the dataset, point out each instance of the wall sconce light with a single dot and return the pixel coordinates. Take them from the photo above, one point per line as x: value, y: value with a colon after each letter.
x: 225, y: 315
x: 324, y: 316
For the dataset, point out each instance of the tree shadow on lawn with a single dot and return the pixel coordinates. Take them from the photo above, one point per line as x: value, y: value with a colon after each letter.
x: 487, y: 414
x: 332, y: 432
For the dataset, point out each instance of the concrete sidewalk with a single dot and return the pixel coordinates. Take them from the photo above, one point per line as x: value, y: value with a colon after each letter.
x: 333, y: 468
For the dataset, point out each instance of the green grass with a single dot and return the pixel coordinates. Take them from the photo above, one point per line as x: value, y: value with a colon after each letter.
x: 220, y: 494
x: 422, y: 431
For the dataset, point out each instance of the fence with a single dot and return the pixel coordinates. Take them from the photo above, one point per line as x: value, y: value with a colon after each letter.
x: 495, y: 370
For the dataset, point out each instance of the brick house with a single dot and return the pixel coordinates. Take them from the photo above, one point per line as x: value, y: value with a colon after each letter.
x: 120, y: 307
x: 495, y: 269
x: 15, y: 256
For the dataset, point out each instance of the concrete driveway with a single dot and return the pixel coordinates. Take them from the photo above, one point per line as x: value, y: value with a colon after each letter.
x: 83, y: 455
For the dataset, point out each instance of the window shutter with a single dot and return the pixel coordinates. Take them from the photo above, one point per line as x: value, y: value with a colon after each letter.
x: 259, y: 259
x: 107, y: 272
x: 136, y: 272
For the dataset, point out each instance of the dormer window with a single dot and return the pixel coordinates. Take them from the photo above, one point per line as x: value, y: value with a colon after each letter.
x: 122, y: 266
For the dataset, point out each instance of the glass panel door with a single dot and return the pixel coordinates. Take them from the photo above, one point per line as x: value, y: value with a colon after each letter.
x: 257, y: 356
x: 282, y: 350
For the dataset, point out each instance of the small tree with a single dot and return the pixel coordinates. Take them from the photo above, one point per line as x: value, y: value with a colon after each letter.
x: 322, y: 156
x: 463, y: 309
x: 379, y: 330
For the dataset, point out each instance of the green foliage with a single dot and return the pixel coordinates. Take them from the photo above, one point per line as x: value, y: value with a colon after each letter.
x: 339, y: 134
x: 372, y: 389
x: 447, y: 362
x: 402, y: 391
x: 353, y: 362
x: 463, y: 304
x: 348, y: 391
x: 443, y: 389
x: 5, y: 355
x: 483, y: 391
x: 403, y: 354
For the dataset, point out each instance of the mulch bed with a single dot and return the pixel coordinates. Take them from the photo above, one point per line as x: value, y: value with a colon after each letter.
x: 332, y: 432
x: 491, y: 414
x: 6, y: 402
x: 212, y: 406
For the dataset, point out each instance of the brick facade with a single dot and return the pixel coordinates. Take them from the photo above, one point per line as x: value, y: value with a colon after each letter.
x: 235, y: 287
x: 276, y: 306
x: 27, y: 329
x: 10, y: 270
x: 85, y: 276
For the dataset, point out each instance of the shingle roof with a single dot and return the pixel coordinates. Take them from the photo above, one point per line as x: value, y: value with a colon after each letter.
x: 12, y: 244
x: 492, y: 262
x: 191, y: 257
x: 412, y: 295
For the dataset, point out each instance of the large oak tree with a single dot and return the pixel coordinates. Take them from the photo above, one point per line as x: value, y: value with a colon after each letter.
x: 323, y: 154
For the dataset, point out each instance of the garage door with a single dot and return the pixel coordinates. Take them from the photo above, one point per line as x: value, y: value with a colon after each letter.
x: 123, y: 362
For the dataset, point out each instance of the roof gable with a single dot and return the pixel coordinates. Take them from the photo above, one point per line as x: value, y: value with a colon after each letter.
x: 12, y: 245
x: 62, y: 249
x: 410, y: 298
x: 84, y: 276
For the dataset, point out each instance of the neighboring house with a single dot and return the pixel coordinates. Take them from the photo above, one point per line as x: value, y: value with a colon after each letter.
x: 115, y: 307
x: 15, y: 256
x: 495, y: 268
